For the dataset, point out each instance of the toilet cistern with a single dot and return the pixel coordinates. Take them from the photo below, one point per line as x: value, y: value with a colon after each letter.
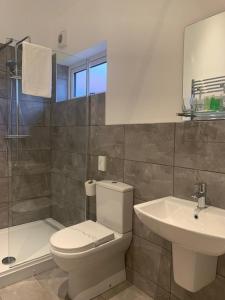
x: 200, y: 196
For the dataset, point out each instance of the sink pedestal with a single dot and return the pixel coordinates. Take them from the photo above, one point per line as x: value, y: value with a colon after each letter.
x: 193, y: 270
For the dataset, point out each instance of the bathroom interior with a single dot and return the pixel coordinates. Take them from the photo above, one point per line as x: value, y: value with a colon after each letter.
x: 112, y: 144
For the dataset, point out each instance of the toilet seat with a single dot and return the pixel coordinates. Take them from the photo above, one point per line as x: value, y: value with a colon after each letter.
x: 81, y: 237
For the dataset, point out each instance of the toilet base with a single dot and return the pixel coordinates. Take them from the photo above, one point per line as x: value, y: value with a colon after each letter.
x: 101, y: 287
x: 96, y: 278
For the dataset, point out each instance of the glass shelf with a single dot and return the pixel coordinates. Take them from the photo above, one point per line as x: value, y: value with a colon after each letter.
x: 203, y: 115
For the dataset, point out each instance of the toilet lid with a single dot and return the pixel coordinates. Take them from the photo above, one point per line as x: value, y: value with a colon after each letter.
x: 70, y: 240
x: 81, y: 237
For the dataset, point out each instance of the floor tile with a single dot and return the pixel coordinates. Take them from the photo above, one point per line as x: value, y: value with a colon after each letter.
x: 131, y: 293
x: 54, y: 281
x: 28, y: 289
x: 52, y: 285
x: 125, y: 291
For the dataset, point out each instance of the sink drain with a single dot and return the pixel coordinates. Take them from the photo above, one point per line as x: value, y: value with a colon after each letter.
x: 8, y: 260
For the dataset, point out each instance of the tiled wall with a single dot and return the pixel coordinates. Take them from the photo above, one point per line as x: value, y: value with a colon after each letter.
x: 25, y: 167
x: 161, y: 160
x: 70, y: 137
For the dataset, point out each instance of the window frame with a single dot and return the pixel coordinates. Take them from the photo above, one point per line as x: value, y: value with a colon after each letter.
x: 81, y: 66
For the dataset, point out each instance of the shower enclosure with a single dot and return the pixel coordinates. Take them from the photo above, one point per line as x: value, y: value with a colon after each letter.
x: 44, y: 146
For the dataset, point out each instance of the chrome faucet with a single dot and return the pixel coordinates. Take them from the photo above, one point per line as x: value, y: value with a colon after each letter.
x: 200, y: 196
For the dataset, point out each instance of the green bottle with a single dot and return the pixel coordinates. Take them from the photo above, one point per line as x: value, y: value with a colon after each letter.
x: 215, y: 103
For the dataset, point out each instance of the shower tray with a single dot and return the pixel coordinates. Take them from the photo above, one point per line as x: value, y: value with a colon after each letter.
x: 30, y: 245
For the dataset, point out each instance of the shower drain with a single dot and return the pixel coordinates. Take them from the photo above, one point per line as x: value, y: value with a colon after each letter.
x: 8, y: 260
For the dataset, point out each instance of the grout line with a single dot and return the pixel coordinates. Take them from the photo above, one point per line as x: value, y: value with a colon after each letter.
x: 154, y: 243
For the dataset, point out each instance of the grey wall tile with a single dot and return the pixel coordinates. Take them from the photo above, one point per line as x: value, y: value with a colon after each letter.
x: 199, y: 151
x: 97, y: 109
x: 209, y: 131
x: 6, y: 54
x: 91, y: 208
x: 4, y: 215
x: 147, y: 286
x: 38, y: 138
x: 221, y: 265
x: 36, y: 113
x: 71, y: 164
x: 77, y: 112
x: 30, y: 210
x: 144, y: 232
x: 184, y: 180
x: 150, y: 261
x: 70, y: 113
x: 68, y: 199
x: 30, y: 162
x: 59, y: 113
x: 3, y: 140
x: 114, y: 169
x: 66, y: 215
x: 4, y: 188
x: 72, y: 139
x: 3, y: 111
x: 150, y: 181
x: 150, y: 143
x: 4, y: 167
x: 4, y: 85
x: 30, y: 186
x: 59, y: 137
x: 107, y: 140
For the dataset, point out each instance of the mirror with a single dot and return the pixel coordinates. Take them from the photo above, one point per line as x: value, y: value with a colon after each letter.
x: 204, y: 67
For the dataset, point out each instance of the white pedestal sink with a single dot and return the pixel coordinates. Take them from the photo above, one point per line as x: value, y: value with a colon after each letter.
x: 196, y: 243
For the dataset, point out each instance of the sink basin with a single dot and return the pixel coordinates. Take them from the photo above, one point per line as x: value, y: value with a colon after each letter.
x: 196, y: 243
x: 173, y: 219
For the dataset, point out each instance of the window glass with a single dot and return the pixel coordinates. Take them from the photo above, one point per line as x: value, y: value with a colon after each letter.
x: 80, y: 83
x: 97, y: 80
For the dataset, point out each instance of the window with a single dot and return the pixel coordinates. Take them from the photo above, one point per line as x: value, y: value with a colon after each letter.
x: 80, y: 79
x: 97, y: 78
x: 91, y: 80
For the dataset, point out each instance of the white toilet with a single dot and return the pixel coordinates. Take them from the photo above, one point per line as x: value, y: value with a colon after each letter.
x: 93, y: 253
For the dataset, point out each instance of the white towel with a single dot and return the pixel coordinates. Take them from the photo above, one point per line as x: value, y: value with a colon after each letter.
x: 36, y: 70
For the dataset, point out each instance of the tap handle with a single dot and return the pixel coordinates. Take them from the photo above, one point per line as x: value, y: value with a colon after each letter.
x: 200, y: 188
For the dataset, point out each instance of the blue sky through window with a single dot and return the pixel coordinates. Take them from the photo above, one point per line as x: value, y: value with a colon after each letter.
x: 80, y: 83
x: 98, y: 76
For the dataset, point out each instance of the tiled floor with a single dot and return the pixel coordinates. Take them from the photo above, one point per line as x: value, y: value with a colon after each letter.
x: 52, y: 285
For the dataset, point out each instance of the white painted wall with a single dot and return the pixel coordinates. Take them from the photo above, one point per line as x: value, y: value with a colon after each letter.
x: 145, y: 46
x: 19, y: 18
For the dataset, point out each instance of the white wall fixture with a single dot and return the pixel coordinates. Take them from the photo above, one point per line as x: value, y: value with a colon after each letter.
x: 196, y: 243
x: 102, y: 163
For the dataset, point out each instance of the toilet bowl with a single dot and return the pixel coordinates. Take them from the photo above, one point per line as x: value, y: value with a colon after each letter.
x: 93, y: 253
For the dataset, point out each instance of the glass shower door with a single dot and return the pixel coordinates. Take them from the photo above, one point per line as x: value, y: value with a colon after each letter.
x: 29, y: 167
x: 48, y: 142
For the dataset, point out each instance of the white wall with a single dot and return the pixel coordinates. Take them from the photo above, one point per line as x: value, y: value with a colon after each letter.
x: 19, y: 18
x: 145, y: 51
x: 145, y: 46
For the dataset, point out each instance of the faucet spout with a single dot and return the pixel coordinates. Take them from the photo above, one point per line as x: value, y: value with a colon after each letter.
x: 200, y: 196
